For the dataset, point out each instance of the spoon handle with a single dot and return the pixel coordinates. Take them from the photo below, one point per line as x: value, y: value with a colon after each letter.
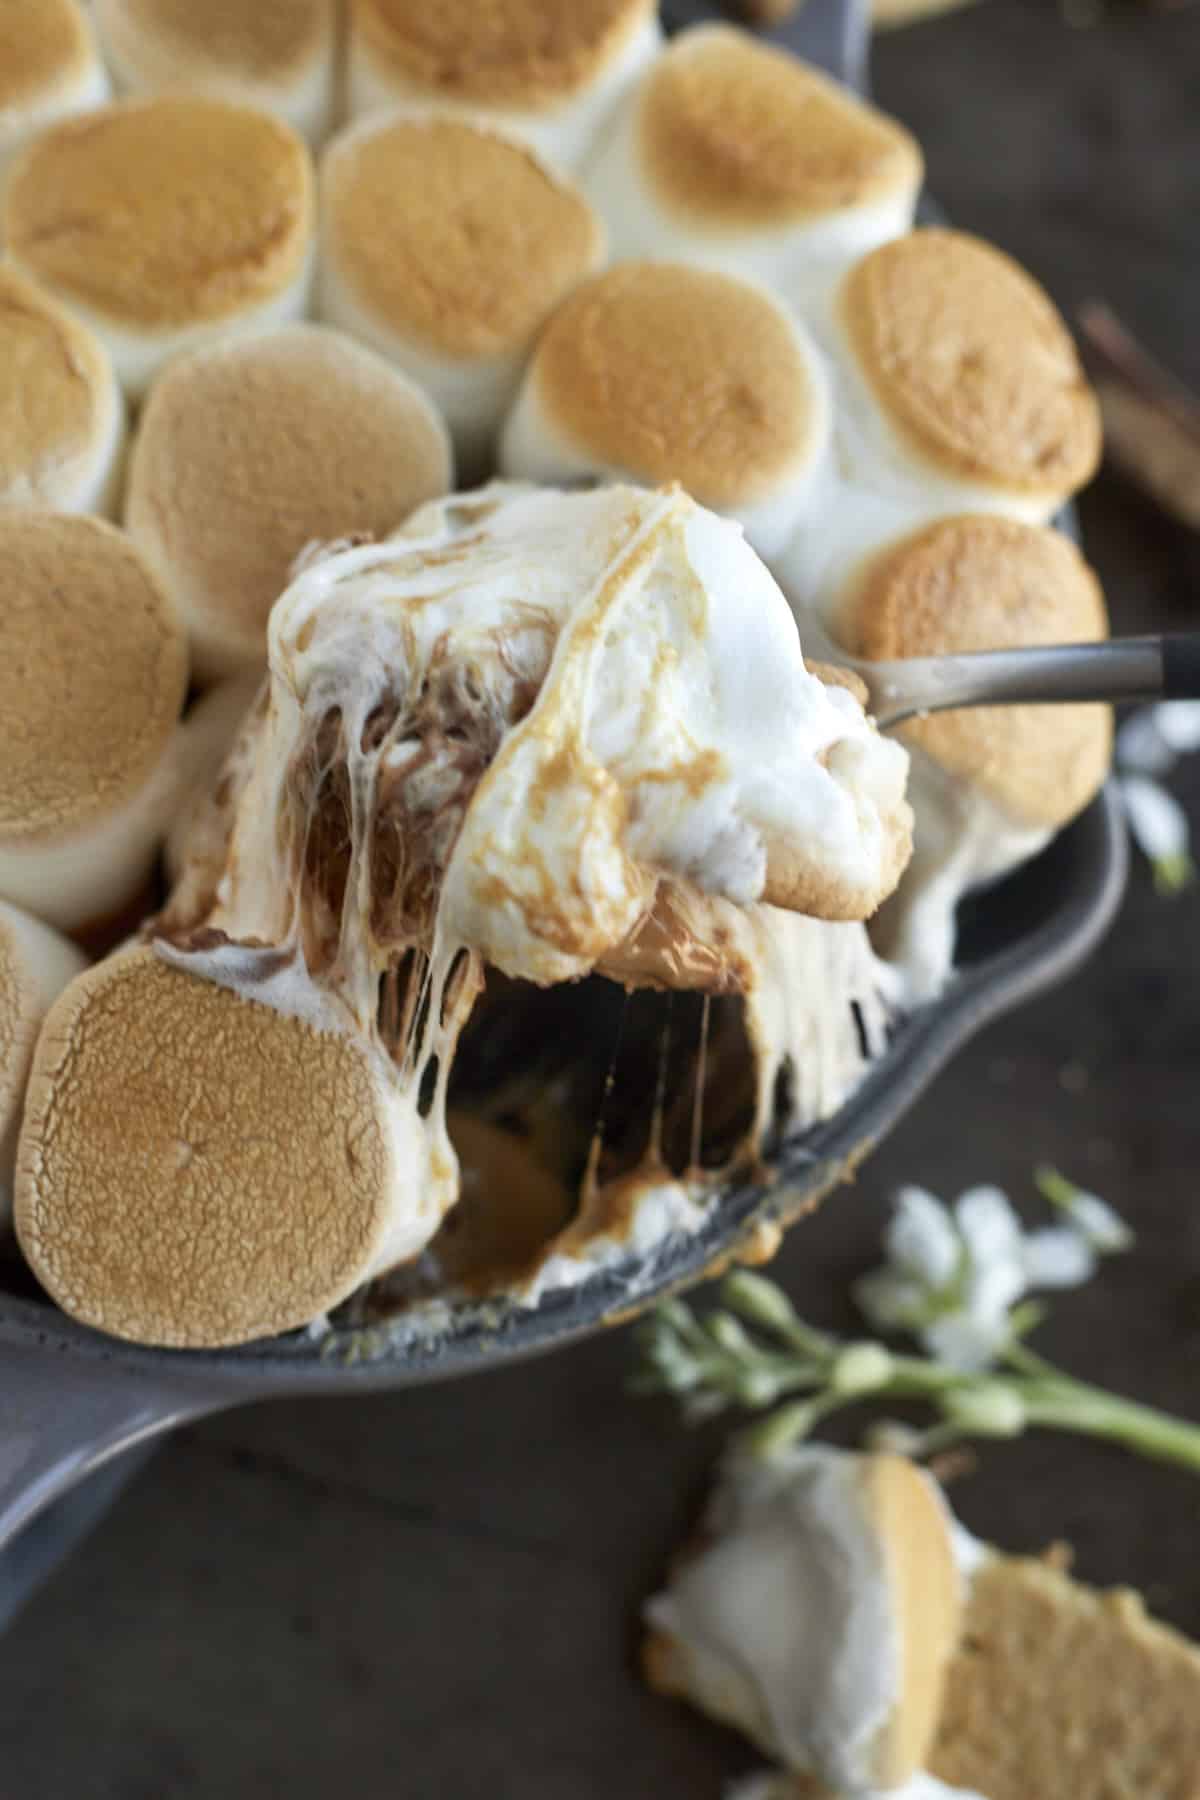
x: 1136, y: 668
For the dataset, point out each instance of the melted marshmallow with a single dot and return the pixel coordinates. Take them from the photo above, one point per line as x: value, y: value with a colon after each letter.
x: 780, y: 1787
x: 784, y: 1616
x: 489, y: 740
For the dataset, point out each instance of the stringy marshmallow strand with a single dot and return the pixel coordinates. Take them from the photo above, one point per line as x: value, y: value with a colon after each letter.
x: 280, y: 56
x: 664, y: 372
x: 241, y: 178
x: 550, y: 72
x: 445, y: 246
x: 49, y: 69
x: 735, y: 155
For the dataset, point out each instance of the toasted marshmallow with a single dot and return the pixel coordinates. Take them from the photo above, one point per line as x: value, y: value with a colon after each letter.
x: 93, y: 669
x: 486, y: 740
x: 446, y: 247
x: 989, y: 784
x: 664, y: 372
x: 957, y: 389
x: 176, y: 1183
x: 36, y: 963
x: 548, y: 71
x: 738, y: 156
x: 961, y: 387
x: 93, y: 210
x: 49, y: 68
x: 279, y: 57
x: 62, y: 419
x: 817, y: 1613
x: 247, y: 452
x: 633, y: 625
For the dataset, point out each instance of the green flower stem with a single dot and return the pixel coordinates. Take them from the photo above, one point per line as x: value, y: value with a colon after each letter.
x: 1067, y: 1405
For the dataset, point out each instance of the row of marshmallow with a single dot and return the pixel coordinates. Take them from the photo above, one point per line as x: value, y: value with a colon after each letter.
x: 942, y: 383
x: 550, y: 70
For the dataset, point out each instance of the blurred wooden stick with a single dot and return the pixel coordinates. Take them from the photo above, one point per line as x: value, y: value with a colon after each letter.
x: 1151, y: 421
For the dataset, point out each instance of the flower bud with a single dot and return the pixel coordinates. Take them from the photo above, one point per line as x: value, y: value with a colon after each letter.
x: 861, y: 1369
x: 986, y: 1409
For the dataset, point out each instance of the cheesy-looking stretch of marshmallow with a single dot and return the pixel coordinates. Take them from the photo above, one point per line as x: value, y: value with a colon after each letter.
x: 547, y: 733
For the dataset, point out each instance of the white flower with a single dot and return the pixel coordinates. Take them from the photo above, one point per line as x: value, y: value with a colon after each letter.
x: 1058, y: 1256
x: 1160, y: 829
x: 953, y: 1277
x: 1178, y: 724
x: 1149, y: 744
x: 1093, y: 1219
x: 1141, y: 746
x: 921, y: 1238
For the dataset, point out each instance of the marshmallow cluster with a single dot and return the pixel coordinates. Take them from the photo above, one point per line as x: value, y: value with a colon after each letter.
x: 424, y: 245
x: 487, y: 741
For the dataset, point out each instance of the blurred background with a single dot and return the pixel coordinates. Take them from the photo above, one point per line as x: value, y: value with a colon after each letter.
x: 434, y: 1594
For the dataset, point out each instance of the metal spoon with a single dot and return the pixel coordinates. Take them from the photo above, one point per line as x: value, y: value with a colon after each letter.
x: 1133, y: 668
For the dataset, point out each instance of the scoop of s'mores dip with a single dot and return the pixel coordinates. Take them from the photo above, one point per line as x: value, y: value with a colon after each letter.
x: 534, y: 744
x: 832, y: 1609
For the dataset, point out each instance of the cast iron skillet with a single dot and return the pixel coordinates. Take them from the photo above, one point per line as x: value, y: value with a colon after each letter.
x: 71, y: 1401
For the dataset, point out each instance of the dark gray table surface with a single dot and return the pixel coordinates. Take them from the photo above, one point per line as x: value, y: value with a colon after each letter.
x: 432, y: 1595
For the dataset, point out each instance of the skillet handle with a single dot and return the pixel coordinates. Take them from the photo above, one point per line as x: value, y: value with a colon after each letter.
x: 61, y: 1417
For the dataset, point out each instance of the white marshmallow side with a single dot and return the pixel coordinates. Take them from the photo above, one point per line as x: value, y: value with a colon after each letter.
x: 138, y: 355
x: 88, y: 89
x: 801, y: 260
x: 563, y: 133
x: 961, y: 841
x: 874, y: 488
x: 93, y: 481
x: 202, y: 743
x: 534, y: 446
x: 473, y: 394
x: 46, y: 962
x: 92, y: 872
x: 307, y: 102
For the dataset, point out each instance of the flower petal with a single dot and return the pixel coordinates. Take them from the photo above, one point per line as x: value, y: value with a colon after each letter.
x: 1100, y: 1223
x: 921, y: 1238
x: 989, y: 1226
x: 962, y: 1342
x: 1058, y: 1256
x: 994, y: 1287
x: 1178, y: 724
x: 1156, y: 819
x: 891, y: 1300
x: 1141, y: 745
